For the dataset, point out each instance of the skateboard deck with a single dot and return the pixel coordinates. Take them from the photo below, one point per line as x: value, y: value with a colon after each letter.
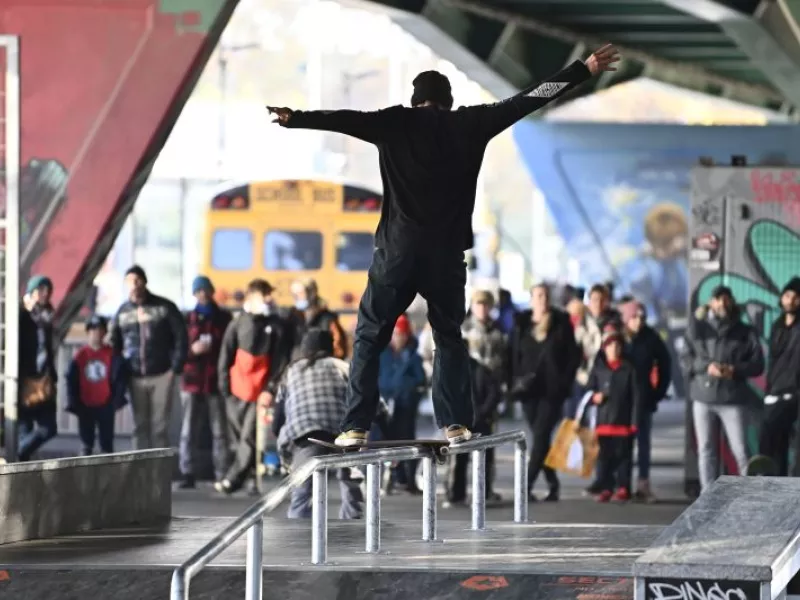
x: 762, y: 465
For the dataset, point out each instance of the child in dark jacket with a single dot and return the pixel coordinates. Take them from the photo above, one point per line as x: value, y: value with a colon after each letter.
x: 616, y: 392
x: 97, y: 380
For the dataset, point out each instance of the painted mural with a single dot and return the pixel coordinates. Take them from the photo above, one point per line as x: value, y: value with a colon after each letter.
x: 619, y: 196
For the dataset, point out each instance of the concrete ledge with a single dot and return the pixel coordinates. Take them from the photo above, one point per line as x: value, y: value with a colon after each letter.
x: 42, y: 499
x: 742, y: 529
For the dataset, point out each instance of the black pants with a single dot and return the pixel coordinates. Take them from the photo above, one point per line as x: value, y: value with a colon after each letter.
x: 457, y: 475
x: 615, y: 463
x: 97, y: 423
x: 542, y: 417
x: 395, y: 278
x: 776, y: 433
x: 403, y: 426
x: 37, y: 426
x: 242, y: 436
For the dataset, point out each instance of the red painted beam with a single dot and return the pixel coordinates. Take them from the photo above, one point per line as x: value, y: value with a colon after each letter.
x: 103, y: 82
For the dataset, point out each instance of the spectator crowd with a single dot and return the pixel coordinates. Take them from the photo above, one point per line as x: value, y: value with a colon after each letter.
x: 553, y: 358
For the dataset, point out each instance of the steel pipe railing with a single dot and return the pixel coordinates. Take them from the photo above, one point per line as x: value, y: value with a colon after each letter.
x: 317, y: 468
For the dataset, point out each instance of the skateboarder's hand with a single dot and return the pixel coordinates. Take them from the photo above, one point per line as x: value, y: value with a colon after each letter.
x: 714, y: 370
x: 283, y: 114
x: 603, y: 59
x: 597, y: 397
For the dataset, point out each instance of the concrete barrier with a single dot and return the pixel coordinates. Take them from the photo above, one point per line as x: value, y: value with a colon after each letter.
x: 42, y: 499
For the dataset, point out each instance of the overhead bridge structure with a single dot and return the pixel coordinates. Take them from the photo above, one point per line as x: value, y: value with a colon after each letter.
x: 745, y: 50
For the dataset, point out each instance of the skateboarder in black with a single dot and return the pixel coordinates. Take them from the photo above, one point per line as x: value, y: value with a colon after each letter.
x: 430, y: 157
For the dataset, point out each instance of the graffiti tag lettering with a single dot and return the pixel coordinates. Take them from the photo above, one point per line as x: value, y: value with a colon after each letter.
x: 783, y: 189
x: 697, y: 590
x: 707, y: 212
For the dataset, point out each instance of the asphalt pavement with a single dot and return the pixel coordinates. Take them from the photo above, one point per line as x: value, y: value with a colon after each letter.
x: 666, y: 478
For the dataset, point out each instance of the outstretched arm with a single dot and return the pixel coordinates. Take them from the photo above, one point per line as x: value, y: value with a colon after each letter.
x: 495, y: 118
x: 371, y: 126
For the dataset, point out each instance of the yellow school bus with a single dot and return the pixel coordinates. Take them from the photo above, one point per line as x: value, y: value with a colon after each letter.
x: 286, y: 230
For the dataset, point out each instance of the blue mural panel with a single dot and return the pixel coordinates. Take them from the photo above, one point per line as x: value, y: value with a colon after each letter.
x: 619, y: 195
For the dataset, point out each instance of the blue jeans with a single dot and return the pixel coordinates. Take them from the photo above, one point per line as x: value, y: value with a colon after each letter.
x: 644, y: 438
x: 36, y: 428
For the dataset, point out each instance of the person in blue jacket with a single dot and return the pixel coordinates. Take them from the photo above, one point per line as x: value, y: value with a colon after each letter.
x: 401, y: 380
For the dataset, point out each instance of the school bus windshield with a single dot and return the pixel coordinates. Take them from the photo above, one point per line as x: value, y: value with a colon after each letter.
x: 287, y: 230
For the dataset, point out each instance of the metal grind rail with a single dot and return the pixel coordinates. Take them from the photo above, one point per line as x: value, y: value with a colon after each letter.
x: 252, y: 522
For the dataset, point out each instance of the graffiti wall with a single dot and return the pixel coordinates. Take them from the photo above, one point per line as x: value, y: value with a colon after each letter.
x: 102, y: 84
x: 619, y: 195
x: 745, y: 233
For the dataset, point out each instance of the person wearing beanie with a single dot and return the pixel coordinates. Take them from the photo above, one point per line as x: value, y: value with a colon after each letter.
x: 430, y: 158
x: 37, y: 368
x: 149, y: 332
x: 311, y: 402
x: 616, y: 391
x: 401, y: 379
x: 721, y: 354
x: 653, y: 363
x: 782, y: 393
x: 205, y: 326
x: 97, y: 381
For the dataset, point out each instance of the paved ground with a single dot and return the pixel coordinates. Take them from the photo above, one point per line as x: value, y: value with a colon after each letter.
x: 667, y: 477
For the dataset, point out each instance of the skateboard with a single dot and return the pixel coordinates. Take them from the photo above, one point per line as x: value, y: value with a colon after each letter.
x: 761, y: 465
x: 439, y: 448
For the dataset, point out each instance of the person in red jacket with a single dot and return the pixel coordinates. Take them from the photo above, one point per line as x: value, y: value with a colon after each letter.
x: 205, y: 326
x: 97, y: 380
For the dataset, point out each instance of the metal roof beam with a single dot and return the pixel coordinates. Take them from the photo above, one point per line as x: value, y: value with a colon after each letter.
x: 667, y: 37
x: 590, y: 19
x: 754, y: 38
x: 689, y: 75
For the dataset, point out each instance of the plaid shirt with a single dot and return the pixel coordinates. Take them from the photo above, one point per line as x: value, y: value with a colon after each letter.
x: 314, y: 399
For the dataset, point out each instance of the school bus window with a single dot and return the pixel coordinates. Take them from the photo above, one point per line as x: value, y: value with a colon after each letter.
x: 292, y: 250
x: 232, y: 249
x: 354, y: 251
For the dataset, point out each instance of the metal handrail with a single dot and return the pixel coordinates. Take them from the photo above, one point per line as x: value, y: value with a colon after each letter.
x: 252, y: 519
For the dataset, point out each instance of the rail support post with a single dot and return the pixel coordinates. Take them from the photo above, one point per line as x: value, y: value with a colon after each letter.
x: 428, y: 499
x: 255, y: 572
x: 520, y: 482
x: 478, y: 490
x: 319, y: 517
x: 373, y: 543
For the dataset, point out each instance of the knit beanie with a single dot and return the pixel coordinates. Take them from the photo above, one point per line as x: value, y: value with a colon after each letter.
x: 403, y: 325
x: 37, y: 281
x: 792, y: 286
x: 432, y: 86
x: 611, y: 334
x: 138, y: 271
x: 202, y: 283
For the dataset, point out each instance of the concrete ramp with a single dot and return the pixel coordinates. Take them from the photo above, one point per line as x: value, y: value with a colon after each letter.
x: 739, y: 541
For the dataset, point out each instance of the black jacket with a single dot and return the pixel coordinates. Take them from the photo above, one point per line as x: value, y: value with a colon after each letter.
x: 648, y: 351
x: 430, y: 158
x: 255, y: 351
x: 36, y: 349
x: 783, y: 376
x: 621, y: 389
x: 543, y: 370
x: 731, y: 342
x: 151, y: 336
x: 486, y: 392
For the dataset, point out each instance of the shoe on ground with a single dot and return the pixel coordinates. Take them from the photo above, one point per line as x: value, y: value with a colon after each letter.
x: 604, y: 496
x: 458, y: 434
x: 187, y: 482
x: 224, y: 487
x: 493, y: 497
x: 351, y: 437
x: 644, y: 494
x: 553, y: 495
x: 594, y: 489
x: 622, y: 495
x: 454, y: 503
